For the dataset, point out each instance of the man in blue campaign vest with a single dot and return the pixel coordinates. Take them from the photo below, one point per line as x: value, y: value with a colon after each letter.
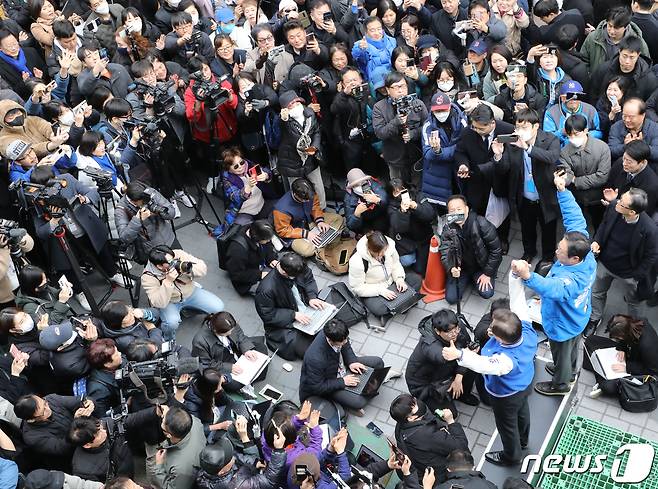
x: 507, y: 364
x: 566, y: 293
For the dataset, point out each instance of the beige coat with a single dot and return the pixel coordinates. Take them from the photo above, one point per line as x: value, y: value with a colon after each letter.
x: 163, y: 292
x: 6, y: 291
x: 514, y: 25
x: 374, y: 281
x: 43, y: 33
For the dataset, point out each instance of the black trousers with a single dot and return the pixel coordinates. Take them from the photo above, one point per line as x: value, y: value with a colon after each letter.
x: 530, y: 215
x: 512, y: 416
x: 350, y: 400
x: 259, y: 346
x: 435, y: 401
x: 593, y: 343
x: 377, y: 305
x: 295, y: 349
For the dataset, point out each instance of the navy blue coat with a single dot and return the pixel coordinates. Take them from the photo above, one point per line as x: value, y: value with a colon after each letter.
x: 438, y: 168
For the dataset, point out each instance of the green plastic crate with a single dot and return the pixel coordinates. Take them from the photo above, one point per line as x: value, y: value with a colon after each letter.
x: 583, y: 436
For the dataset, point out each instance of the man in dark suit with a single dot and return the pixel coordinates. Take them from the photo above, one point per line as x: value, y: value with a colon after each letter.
x: 85, y: 231
x: 471, y: 157
x: 330, y: 365
x: 281, y: 299
x: 627, y: 249
x: 633, y: 172
x: 528, y: 165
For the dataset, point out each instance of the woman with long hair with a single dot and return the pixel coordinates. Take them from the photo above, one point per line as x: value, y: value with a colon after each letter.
x: 499, y: 58
x: 636, y: 342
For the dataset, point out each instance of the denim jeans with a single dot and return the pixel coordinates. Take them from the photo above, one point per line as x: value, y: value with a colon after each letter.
x: 408, y: 260
x: 201, y: 300
x: 464, y: 279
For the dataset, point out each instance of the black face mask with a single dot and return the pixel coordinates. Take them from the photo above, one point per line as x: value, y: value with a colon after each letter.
x: 422, y: 409
x: 17, y: 122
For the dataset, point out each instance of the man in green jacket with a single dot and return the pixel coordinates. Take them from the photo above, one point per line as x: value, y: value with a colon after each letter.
x: 601, y: 44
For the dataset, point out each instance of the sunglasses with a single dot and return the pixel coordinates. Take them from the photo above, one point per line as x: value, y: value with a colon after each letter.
x: 237, y: 165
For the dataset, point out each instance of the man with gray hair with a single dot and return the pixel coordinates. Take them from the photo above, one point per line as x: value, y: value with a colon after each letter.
x: 626, y: 245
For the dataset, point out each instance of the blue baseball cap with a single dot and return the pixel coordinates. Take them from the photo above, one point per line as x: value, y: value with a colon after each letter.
x: 479, y: 47
x: 572, y: 86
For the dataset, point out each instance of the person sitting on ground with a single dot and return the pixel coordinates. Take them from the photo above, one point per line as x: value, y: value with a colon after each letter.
x: 462, y: 473
x: 425, y: 438
x: 374, y: 267
x: 470, y: 250
x: 636, y: 342
x: 124, y: 324
x: 429, y: 376
x: 220, y: 342
x: 282, y: 299
x: 250, y: 256
x: 365, y: 203
x: 330, y: 366
x: 37, y: 297
x: 169, y: 282
x: 299, y: 219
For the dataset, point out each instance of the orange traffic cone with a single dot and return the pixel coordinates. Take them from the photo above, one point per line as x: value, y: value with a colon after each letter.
x: 434, y: 284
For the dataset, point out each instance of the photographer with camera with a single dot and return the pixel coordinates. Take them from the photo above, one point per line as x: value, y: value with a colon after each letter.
x: 143, y: 219
x: 397, y: 121
x: 98, y: 71
x: 222, y: 466
x: 85, y: 231
x: 124, y: 324
x: 95, y: 166
x: 169, y: 282
x: 365, y: 202
x: 256, y: 102
x: 210, y: 108
x: 102, y: 443
x: 270, y: 64
x: 470, y: 251
x: 14, y: 241
x: 185, y: 42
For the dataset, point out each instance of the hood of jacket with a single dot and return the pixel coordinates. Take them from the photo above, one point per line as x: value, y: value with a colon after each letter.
x: 642, y: 66
x: 6, y: 106
x: 600, y: 32
x: 427, y: 334
x: 130, y: 330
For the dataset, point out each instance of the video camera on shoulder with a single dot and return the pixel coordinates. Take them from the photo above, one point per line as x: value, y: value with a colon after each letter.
x: 102, y: 178
x: 209, y: 92
x: 155, y: 378
x: 12, y: 231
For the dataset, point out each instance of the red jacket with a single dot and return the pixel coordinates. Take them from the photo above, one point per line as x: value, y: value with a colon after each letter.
x: 226, y: 124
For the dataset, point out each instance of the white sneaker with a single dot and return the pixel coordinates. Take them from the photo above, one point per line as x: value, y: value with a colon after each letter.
x: 117, y: 278
x: 82, y: 300
x: 176, y: 209
x: 210, y: 186
x: 595, y: 392
x: 185, y: 199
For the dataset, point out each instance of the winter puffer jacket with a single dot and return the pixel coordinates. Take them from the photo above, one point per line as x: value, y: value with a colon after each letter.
x: 379, y: 275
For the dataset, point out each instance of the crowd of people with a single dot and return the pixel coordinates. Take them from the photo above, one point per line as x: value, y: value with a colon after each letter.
x: 345, y: 132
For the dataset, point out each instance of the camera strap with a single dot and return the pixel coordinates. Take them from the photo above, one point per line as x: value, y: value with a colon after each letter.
x: 142, y: 387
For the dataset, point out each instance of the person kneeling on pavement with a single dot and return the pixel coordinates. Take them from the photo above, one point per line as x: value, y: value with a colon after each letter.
x: 462, y: 473
x: 470, y: 250
x: 299, y: 219
x: 429, y: 376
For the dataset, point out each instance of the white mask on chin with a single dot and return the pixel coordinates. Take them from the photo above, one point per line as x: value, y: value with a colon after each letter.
x: 297, y: 112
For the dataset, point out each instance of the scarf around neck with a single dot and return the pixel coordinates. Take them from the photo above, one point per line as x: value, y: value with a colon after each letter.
x: 19, y: 64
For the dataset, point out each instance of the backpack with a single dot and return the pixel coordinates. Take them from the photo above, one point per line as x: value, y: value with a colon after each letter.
x: 233, y: 233
x: 272, y: 130
x: 351, y: 309
x: 335, y: 257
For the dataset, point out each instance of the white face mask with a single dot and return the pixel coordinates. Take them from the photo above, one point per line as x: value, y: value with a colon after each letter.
x: 67, y: 119
x: 445, y: 86
x: 297, y: 111
x: 136, y: 25
x: 578, y: 141
x: 26, y: 325
x: 525, y: 134
x: 441, y: 116
x: 174, y: 3
x: 102, y: 9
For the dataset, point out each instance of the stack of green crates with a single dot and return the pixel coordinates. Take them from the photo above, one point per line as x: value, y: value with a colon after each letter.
x: 583, y: 436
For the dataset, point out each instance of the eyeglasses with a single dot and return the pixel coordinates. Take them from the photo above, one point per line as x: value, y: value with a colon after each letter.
x: 225, y: 49
x: 237, y: 165
x: 266, y: 39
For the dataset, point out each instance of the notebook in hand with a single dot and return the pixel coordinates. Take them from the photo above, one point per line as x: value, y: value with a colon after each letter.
x: 403, y: 300
x: 251, y: 369
x: 318, y: 319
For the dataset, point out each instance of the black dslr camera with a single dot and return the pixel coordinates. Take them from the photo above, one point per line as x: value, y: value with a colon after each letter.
x: 181, y: 266
x: 211, y: 93
x: 311, y: 81
x: 406, y: 104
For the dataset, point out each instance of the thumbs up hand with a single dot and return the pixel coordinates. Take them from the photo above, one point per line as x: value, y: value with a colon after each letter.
x: 452, y: 352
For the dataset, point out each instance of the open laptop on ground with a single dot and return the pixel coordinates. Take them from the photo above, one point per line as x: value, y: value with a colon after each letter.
x: 252, y: 369
x: 403, y: 301
x: 327, y: 237
x: 369, y: 381
x: 318, y: 319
